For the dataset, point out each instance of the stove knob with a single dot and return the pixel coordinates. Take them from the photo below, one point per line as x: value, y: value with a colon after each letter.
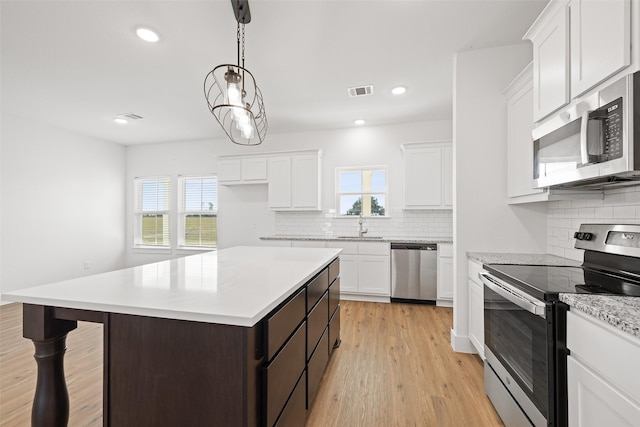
x: 587, y: 236
x: 577, y: 235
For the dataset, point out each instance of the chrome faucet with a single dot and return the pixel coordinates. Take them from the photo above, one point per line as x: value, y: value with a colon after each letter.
x: 361, y: 231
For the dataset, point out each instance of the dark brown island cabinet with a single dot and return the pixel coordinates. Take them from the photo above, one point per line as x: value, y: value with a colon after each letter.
x: 167, y: 372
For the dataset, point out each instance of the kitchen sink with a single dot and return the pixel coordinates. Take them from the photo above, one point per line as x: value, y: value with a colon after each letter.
x: 363, y: 237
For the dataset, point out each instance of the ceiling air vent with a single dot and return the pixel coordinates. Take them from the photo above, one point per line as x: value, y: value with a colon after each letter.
x: 129, y: 116
x: 360, y: 91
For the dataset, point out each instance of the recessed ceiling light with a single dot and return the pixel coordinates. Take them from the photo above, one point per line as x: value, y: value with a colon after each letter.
x: 358, y: 122
x: 147, y: 34
x: 120, y: 121
x: 398, y: 90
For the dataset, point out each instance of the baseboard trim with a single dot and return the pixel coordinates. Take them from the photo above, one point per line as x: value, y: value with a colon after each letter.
x: 462, y: 343
x: 366, y: 298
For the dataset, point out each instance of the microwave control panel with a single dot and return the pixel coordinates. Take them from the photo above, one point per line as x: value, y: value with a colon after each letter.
x: 610, y: 118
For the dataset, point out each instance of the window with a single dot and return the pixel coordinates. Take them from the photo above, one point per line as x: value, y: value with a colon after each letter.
x: 362, y: 191
x: 152, y: 225
x: 198, y: 211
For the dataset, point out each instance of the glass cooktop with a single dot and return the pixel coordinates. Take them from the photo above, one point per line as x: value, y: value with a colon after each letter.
x: 546, y: 282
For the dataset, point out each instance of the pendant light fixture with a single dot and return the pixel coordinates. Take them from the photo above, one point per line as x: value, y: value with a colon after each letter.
x: 232, y: 94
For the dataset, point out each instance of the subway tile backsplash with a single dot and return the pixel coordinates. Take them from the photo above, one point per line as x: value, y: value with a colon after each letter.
x: 620, y: 206
x: 432, y: 224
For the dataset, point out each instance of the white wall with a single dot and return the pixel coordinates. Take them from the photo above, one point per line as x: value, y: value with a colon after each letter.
x: 62, y: 204
x: 483, y: 222
x: 243, y: 214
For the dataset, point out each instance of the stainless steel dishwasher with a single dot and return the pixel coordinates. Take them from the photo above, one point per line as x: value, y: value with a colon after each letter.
x: 414, y: 272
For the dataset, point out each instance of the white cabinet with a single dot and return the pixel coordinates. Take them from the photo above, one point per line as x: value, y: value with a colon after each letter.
x: 364, y: 270
x: 445, y: 275
x: 550, y: 38
x: 519, y: 96
x: 428, y: 175
x: 476, y: 307
x: 578, y: 44
x: 603, y: 386
x: 600, y: 41
x: 242, y: 170
x: 294, y: 181
x: 307, y: 244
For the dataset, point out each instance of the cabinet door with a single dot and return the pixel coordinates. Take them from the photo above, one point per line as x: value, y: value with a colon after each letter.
x: 423, y: 178
x: 229, y: 170
x: 373, y: 274
x: 447, y: 176
x: 551, y: 65
x: 476, y: 316
x: 308, y: 244
x: 280, y: 182
x: 600, y: 41
x: 348, y: 273
x: 594, y: 402
x: 519, y: 139
x: 445, y: 278
x: 254, y: 169
x: 305, y: 182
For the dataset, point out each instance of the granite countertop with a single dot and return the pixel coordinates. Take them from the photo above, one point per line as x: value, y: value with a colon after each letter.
x: 522, y: 259
x: 620, y: 311
x: 235, y: 286
x: 331, y: 238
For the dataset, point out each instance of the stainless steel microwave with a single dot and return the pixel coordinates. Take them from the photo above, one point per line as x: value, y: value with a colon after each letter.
x: 594, y: 143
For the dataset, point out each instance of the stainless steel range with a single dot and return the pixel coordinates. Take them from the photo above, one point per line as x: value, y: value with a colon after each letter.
x: 525, y: 324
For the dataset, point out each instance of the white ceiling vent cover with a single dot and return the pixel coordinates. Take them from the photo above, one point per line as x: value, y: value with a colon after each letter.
x: 130, y: 116
x: 360, y: 91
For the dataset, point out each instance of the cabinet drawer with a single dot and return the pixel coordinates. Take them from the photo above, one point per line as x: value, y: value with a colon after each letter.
x: 317, y: 288
x: 606, y: 349
x: 281, y: 376
x: 316, y: 366
x: 348, y: 248
x: 475, y: 268
x: 334, y: 270
x: 316, y: 323
x: 334, y: 296
x: 294, y: 413
x: 334, y: 331
x: 373, y: 248
x: 283, y: 323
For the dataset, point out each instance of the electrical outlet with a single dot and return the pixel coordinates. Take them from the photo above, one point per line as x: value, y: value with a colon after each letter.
x: 87, y: 265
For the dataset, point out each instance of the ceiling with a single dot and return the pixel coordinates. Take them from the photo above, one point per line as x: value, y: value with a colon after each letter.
x: 76, y: 64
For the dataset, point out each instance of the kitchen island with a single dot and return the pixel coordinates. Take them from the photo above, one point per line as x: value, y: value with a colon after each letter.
x: 239, y: 337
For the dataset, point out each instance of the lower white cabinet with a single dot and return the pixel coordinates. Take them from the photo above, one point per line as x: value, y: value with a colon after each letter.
x: 445, y: 275
x: 476, y: 307
x: 603, y: 382
x: 308, y: 244
x: 364, y: 270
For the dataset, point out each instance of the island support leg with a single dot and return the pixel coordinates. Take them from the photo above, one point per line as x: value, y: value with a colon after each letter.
x: 51, y: 401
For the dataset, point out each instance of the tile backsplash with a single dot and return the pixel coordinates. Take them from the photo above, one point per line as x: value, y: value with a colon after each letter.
x: 435, y: 224
x: 620, y: 206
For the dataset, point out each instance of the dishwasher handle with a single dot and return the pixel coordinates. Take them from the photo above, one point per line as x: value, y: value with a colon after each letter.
x: 414, y: 246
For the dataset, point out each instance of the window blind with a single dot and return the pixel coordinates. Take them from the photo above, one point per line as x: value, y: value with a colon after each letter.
x: 152, y: 204
x: 199, y: 211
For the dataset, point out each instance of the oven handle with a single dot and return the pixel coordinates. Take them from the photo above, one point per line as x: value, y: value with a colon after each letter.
x: 515, y: 296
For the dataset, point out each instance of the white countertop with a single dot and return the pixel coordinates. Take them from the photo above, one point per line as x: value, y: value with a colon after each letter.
x: 235, y: 286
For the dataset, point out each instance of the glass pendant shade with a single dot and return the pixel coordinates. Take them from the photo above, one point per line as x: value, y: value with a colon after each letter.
x: 236, y: 102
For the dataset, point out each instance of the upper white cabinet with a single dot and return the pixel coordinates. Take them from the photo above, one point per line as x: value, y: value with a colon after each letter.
x: 577, y: 44
x: 550, y: 38
x: 294, y: 181
x: 519, y: 95
x: 600, y: 41
x: 428, y: 175
x: 242, y: 170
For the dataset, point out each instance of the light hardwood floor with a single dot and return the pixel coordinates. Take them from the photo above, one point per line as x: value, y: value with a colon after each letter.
x: 395, y: 368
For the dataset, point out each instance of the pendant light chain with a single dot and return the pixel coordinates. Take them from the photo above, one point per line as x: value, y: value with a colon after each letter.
x: 242, y: 55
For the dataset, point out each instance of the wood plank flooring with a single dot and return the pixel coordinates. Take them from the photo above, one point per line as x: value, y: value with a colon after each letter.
x: 395, y: 368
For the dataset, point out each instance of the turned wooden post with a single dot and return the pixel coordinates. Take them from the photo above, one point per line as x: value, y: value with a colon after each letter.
x: 51, y: 402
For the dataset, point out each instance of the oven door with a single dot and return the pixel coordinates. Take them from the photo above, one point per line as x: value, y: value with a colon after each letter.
x: 519, y: 337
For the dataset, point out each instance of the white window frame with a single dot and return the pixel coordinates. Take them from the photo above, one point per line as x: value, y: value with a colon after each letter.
x: 182, y: 212
x: 138, y: 213
x: 363, y: 193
